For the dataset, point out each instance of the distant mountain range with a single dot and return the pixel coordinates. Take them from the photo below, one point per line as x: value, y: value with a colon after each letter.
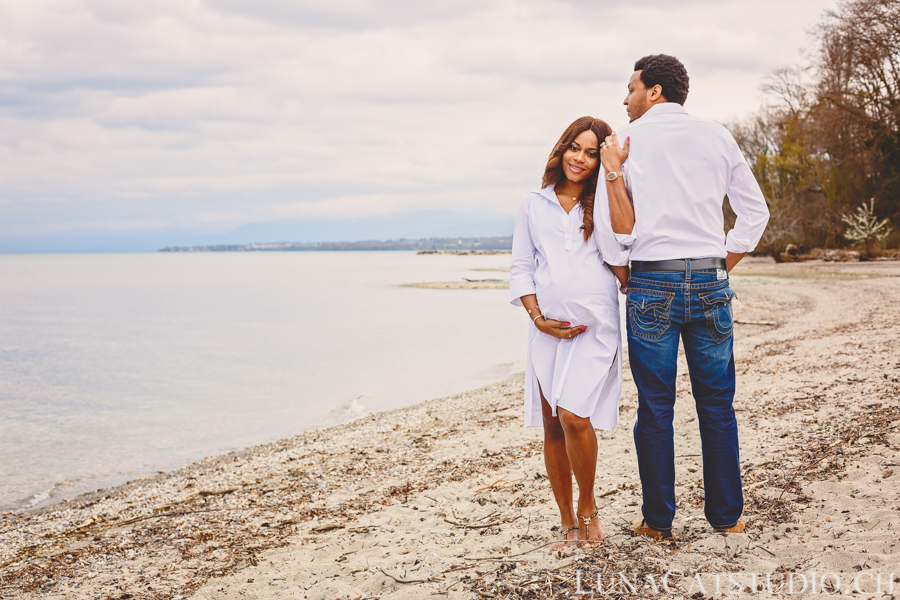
x: 391, y: 226
x: 409, y: 225
x: 454, y: 245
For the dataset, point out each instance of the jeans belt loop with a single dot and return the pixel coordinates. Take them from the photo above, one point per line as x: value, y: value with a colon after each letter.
x: 687, y: 269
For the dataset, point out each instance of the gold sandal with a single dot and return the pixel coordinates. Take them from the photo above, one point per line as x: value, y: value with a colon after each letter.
x: 564, y: 536
x: 587, y: 527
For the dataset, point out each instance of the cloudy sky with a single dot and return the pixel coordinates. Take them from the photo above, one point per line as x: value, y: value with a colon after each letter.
x: 207, y: 114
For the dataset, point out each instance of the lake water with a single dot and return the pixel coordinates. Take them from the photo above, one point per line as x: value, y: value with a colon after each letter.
x: 114, y: 366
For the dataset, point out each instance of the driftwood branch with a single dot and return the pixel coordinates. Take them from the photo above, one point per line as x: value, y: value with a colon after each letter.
x: 212, y: 492
x: 405, y: 580
x: 324, y: 528
x: 493, y: 558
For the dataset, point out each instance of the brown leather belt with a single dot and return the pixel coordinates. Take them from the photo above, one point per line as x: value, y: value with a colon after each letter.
x: 678, y: 265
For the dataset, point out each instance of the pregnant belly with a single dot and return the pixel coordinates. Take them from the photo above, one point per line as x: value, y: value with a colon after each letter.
x: 576, y: 304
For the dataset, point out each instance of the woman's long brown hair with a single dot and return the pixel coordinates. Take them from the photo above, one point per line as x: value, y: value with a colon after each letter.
x: 553, y: 173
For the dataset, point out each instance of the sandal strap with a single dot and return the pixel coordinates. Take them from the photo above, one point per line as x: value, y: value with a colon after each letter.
x: 587, y: 520
x: 565, y: 532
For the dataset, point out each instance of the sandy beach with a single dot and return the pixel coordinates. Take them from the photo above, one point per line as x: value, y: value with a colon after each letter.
x: 449, y: 499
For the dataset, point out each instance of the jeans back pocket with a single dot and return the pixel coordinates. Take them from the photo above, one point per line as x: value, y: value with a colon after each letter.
x: 648, y: 312
x: 719, y: 315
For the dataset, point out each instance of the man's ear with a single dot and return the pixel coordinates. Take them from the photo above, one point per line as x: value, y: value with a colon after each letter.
x: 655, y: 93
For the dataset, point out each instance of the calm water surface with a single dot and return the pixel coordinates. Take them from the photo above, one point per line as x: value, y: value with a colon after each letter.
x: 116, y: 366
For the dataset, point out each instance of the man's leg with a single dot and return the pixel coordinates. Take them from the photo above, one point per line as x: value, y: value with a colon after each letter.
x: 710, y: 359
x: 653, y: 354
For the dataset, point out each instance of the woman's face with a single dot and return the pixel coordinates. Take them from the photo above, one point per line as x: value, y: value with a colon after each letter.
x: 582, y: 157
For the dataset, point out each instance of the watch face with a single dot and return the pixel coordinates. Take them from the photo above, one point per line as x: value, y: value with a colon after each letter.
x: 612, y: 176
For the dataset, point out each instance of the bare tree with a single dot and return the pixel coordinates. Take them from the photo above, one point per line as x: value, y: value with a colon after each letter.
x: 829, y: 139
x: 784, y: 171
x: 858, y: 64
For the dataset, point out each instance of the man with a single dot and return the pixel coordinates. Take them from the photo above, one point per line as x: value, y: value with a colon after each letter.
x: 665, y: 188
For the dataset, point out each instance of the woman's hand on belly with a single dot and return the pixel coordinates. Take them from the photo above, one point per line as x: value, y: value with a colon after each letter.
x: 559, y: 329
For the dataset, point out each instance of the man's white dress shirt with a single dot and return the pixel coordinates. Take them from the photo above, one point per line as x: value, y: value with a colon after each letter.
x: 677, y: 174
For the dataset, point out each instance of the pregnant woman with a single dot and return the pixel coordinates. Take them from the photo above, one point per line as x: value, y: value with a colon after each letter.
x: 573, y: 374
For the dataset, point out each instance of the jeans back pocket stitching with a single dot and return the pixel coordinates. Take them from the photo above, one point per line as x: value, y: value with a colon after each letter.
x: 713, y: 321
x: 712, y: 318
x: 661, y: 309
x: 710, y: 302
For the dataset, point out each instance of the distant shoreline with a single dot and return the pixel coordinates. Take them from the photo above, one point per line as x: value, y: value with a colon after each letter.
x: 430, y: 245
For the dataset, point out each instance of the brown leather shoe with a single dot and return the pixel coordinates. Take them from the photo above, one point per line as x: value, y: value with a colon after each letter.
x: 642, y: 528
x: 738, y: 527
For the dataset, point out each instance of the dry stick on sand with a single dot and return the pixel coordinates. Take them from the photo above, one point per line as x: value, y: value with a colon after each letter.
x: 324, y: 528
x: 459, y: 568
x: 405, y: 580
x: 40, y: 535
x: 493, y: 514
x: 505, y: 558
x: 471, y: 525
x: 491, y: 486
x: 170, y: 514
x: 802, y: 468
x: 481, y: 526
x: 212, y: 492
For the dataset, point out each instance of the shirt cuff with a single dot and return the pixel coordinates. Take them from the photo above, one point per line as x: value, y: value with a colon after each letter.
x: 626, y: 239
x: 619, y: 260
x: 517, y: 289
x: 736, y: 245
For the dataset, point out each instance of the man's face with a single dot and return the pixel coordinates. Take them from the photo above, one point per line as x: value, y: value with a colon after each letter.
x: 638, y: 99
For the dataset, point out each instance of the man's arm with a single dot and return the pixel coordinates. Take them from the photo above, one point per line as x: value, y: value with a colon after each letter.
x: 615, y: 248
x: 621, y: 274
x: 621, y: 212
x: 733, y: 259
x: 749, y: 204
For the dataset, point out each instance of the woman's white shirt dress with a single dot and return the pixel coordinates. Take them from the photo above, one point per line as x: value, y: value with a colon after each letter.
x: 551, y: 259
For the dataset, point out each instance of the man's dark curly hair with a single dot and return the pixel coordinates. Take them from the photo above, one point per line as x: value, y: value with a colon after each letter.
x: 665, y: 71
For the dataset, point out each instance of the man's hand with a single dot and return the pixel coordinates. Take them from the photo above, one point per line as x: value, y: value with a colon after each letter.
x: 621, y: 274
x: 559, y: 329
x: 611, y: 156
x: 733, y: 259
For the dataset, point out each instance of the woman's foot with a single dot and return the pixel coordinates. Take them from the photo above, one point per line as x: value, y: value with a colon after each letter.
x: 593, y: 530
x: 567, y: 538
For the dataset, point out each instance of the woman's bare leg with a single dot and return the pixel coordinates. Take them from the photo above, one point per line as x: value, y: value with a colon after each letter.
x: 581, y: 448
x: 559, y: 471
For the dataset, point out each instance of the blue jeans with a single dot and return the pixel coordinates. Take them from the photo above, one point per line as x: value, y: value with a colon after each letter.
x: 695, y: 306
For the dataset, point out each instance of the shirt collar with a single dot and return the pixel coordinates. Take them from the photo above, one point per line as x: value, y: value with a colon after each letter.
x: 666, y: 108
x: 549, y: 193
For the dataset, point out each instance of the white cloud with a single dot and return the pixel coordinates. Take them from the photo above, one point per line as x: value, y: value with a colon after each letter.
x: 212, y: 114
